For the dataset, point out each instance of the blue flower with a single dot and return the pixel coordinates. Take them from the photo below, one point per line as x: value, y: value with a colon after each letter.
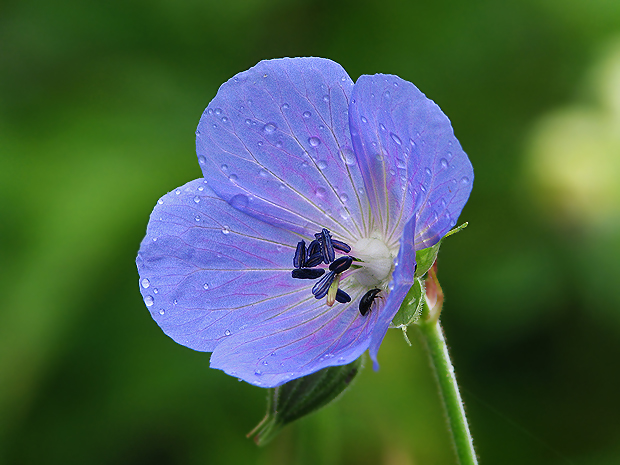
x: 297, y: 248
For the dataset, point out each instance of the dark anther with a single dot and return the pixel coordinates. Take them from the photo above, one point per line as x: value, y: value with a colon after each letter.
x: 327, y: 246
x: 314, y: 260
x: 367, y: 300
x: 299, y: 260
x: 342, y: 297
x: 342, y: 264
x: 322, y: 285
x: 308, y: 273
x: 314, y: 247
x: 341, y: 246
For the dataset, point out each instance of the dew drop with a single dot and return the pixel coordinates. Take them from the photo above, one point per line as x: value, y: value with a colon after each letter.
x: 224, y: 167
x: 382, y: 126
x: 161, y: 311
x: 265, y: 363
x: 210, y: 111
x: 177, y: 192
x: 227, y: 332
x: 428, y: 171
x: 224, y: 119
x: 218, y: 111
x: 225, y: 230
x: 263, y: 173
x: 260, y: 143
x: 205, y: 286
x: 314, y: 141
x: 348, y: 156
x: 269, y: 128
x: 320, y: 192
x: 201, y: 188
x: 202, y: 160
x: 386, y: 94
x: 197, y: 217
x: 326, y: 98
x: 322, y: 164
x: 149, y: 301
x: 248, y: 121
x: 344, y: 197
x: 364, y: 120
x: 400, y: 163
x: 175, y: 301
x: 307, y: 114
x: 285, y: 106
x: 232, y: 177
x: 155, y: 291
x: 444, y: 163
x: 196, y: 199
x: 160, y: 201
x: 395, y: 138
x: 464, y: 180
x: 239, y: 201
x: 279, y: 144
x: 145, y: 283
x: 258, y: 372
x: 321, y: 127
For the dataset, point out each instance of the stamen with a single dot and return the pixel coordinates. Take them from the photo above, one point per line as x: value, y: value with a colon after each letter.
x: 299, y: 259
x: 314, y: 260
x: 342, y: 297
x: 319, y: 290
x: 341, y: 246
x: 327, y: 246
x: 308, y: 273
x: 367, y: 300
x: 314, y: 247
x: 342, y: 264
x: 333, y: 290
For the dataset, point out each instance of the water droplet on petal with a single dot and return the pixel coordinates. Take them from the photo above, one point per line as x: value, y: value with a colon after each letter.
x: 224, y: 119
x: 177, y: 192
x: 464, y: 180
x: 218, y: 111
x: 197, y: 199
x: 227, y: 332
x: 386, y: 94
x: 248, y: 121
x: 428, y: 171
x: 225, y: 230
x: 382, y: 126
x: 395, y: 138
x: 444, y: 163
x: 326, y: 98
x: 155, y: 291
x: 205, y: 286
x: 149, y: 301
x: 202, y: 160
x: 145, y: 283
x: 348, y: 156
x: 263, y: 174
x: 344, y: 197
x: 197, y: 217
x: 364, y: 120
x: 232, y: 177
x: 400, y: 163
x: 239, y: 201
x: 322, y: 164
x: 258, y: 372
x: 285, y: 106
x: 320, y: 192
x: 269, y: 128
x: 175, y: 301
x: 307, y: 114
x: 160, y: 201
x: 210, y: 111
x: 224, y: 167
x: 260, y: 143
x: 314, y: 141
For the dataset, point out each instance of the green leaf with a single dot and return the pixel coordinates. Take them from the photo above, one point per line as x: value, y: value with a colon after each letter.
x: 411, y: 307
x: 303, y: 396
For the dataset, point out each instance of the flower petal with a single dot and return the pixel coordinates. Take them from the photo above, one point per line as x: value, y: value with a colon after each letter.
x: 410, y: 160
x: 306, y: 338
x: 402, y: 280
x: 208, y: 270
x: 275, y: 143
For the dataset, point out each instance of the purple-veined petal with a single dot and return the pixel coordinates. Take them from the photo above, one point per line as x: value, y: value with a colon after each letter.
x: 275, y: 143
x: 208, y: 270
x: 410, y: 160
x: 308, y: 337
x: 402, y: 280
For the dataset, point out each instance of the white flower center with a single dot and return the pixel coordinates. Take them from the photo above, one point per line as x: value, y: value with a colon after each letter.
x: 377, y: 261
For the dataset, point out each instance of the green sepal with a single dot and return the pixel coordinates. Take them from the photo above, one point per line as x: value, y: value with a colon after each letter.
x: 410, y: 309
x: 302, y: 396
x: 425, y: 258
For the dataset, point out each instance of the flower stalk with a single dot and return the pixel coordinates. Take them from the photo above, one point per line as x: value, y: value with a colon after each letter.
x: 434, y: 339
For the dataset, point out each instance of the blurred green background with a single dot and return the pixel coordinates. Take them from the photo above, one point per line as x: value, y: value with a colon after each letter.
x: 99, y: 101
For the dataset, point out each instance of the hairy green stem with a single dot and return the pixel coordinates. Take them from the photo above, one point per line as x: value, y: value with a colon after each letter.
x: 437, y: 349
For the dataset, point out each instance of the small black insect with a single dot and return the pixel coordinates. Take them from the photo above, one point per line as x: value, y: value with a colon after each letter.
x: 367, y: 300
